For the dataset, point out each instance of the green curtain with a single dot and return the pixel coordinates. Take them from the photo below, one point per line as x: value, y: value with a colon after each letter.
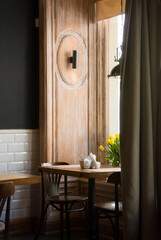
x: 140, y: 120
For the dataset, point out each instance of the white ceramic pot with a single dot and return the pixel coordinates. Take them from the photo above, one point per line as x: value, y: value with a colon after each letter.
x: 85, y: 163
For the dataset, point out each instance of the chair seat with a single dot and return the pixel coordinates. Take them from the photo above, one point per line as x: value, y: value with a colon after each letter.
x: 66, y: 199
x: 108, y: 206
x: 65, y: 204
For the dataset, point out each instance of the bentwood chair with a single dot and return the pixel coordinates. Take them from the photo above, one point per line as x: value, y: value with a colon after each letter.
x: 62, y: 202
x: 111, y: 209
x: 7, y: 189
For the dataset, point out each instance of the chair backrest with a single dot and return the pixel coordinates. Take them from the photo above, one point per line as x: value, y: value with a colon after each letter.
x: 51, y: 181
x: 7, y: 189
x: 115, y: 178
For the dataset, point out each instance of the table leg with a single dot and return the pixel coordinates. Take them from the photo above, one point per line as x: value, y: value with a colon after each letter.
x: 91, y: 212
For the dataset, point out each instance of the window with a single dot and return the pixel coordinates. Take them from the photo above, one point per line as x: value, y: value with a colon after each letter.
x: 114, y: 43
x: 109, y: 38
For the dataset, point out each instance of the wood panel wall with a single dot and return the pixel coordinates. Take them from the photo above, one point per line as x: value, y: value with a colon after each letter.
x: 67, y: 96
x: 102, y: 85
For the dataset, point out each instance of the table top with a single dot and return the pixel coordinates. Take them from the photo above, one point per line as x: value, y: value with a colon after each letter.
x: 75, y: 170
x: 19, y: 179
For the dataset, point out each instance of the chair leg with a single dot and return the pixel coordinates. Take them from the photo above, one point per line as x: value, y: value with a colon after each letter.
x: 61, y: 221
x: 97, y: 224
x: 68, y: 225
x: 86, y: 218
x: 112, y: 223
x: 116, y: 227
x: 67, y: 216
x: 43, y: 213
x: 6, y: 232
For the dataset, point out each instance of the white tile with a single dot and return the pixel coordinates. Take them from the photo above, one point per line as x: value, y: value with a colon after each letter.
x: 31, y: 147
x: 6, y: 157
x: 26, y: 194
x: 23, y: 156
x: 20, y: 203
x: 26, y: 156
x: 3, y: 167
x: 25, y: 138
x: 16, y: 166
x: 6, y: 138
x: 20, y: 213
x: 29, y: 187
x: 11, y: 214
x: 21, y: 187
x: 3, y: 215
x: 25, y: 213
x: 15, y: 147
x: 19, y: 151
x: 3, y: 147
x: 24, y: 203
x: 21, y: 194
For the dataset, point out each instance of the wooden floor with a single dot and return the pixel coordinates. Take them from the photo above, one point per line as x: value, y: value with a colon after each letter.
x: 75, y: 235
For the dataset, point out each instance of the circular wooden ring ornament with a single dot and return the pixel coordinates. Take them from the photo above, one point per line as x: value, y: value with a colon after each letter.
x: 67, y: 42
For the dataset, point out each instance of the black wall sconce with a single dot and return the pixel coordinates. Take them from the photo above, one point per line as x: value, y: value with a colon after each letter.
x: 74, y: 59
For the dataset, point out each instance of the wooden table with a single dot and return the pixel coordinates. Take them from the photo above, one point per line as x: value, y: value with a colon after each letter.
x: 91, y: 174
x: 19, y: 179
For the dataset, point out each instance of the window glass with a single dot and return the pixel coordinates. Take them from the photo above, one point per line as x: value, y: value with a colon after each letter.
x: 115, y: 51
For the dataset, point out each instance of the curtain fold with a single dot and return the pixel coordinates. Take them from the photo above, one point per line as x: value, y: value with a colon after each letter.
x: 140, y: 120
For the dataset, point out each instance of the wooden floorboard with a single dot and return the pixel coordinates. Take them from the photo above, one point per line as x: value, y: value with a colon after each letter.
x: 75, y: 235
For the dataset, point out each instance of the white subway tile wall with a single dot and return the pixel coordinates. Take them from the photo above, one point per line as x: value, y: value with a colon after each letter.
x: 19, y: 152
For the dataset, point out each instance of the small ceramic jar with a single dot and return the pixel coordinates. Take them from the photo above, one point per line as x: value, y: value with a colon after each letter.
x: 85, y: 163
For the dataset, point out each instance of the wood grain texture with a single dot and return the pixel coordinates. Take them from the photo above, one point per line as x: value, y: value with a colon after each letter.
x: 42, y: 98
x: 46, y: 78
x: 102, y: 86
x: 68, y: 41
x: 75, y: 170
x: 92, y: 126
x: 67, y: 96
x: 72, y: 103
x: 20, y: 179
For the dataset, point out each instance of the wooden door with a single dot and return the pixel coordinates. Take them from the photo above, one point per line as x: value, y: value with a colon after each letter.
x: 67, y: 95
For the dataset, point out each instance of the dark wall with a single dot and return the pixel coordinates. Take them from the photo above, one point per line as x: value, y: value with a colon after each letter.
x: 19, y: 86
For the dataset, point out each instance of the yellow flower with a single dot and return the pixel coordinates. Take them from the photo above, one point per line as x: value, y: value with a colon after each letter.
x: 117, y: 135
x: 112, y: 137
x: 101, y: 148
x: 112, y: 141
x: 108, y: 141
